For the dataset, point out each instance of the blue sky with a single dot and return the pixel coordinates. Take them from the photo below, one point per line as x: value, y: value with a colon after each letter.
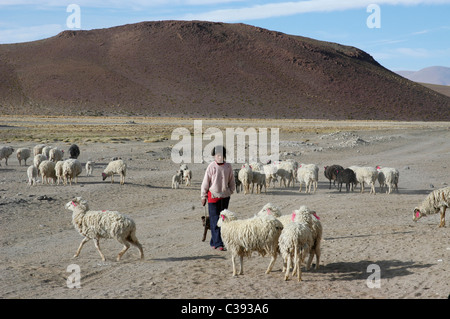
x: 412, y: 34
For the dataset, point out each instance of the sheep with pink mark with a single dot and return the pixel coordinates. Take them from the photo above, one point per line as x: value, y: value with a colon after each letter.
x: 436, y: 202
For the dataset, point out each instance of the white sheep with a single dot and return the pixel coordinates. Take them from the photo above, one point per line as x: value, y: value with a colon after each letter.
x: 38, y: 159
x: 388, y: 176
x: 177, y: 179
x: 367, y: 175
x: 47, y: 171
x: 242, y: 237
x: 103, y: 224
x: 245, y: 175
x: 271, y: 174
x: 32, y: 174
x: 286, y: 172
x: 23, y: 154
x: 59, y: 171
x: 187, y: 176
x: 71, y: 169
x: 294, y: 243
x: 115, y: 167
x: 46, y: 150
x: 437, y: 201
x: 38, y: 149
x: 89, y: 168
x: 308, y: 174
x: 55, y: 154
x: 5, y: 153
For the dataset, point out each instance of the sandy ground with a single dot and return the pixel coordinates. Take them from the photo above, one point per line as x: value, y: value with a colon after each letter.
x: 37, y: 239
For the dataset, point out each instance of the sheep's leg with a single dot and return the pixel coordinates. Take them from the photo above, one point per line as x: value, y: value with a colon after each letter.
x: 288, y: 266
x: 112, y: 178
x: 298, y: 263
x: 84, y: 241
x: 241, y: 262
x: 125, y: 248
x: 272, y: 262
x: 233, y: 262
x: 134, y: 241
x: 442, y: 223
x: 97, y: 245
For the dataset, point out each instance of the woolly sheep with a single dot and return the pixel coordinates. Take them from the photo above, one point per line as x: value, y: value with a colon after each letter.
x: 89, y: 168
x: 330, y: 173
x: 23, y: 153
x: 294, y: 242
x: 437, y: 201
x: 103, y: 224
x: 74, y: 151
x: 271, y: 174
x: 346, y: 176
x: 259, y: 179
x: 187, y: 176
x: 38, y: 149
x: 367, y: 175
x: 71, y: 169
x: 38, y: 159
x: 46, y: 150
x: 177, y: 179
x: 242, y: 237
x: 245, y: 175
x: 5, y: 153
x: 55, y: 154
x: 32, y: 174
x: 307, y: 174
x: 47, y: 171
x: 388, y: 176
x: 59, y: 172
x: 115, y: 167
x: 286, y: 172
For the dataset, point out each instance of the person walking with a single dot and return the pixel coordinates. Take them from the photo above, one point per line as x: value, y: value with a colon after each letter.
x: 217, y: 186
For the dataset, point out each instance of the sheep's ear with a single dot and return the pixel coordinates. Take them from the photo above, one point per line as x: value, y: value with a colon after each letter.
x: 83, y: 202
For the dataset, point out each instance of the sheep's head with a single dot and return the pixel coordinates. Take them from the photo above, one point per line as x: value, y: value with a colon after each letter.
x: 225, y: 216
x: 270, y: 209
x: 76, y: 202
x: 104, y: 176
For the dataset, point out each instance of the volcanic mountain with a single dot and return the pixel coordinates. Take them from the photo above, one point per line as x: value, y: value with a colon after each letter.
x: 205, y: 69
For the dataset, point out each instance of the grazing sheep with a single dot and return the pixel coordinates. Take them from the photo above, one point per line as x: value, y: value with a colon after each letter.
x: 5, y: 153
x: 32, y: 174
x: 367, y: 175
x: 71, y: 169
x: 38, y: 149
x: 242, y: 237
x: 55, y: 155
x: 103, y: 224
x: 330, y: 173
x: 187, y: 176
x: 38, y: 160
x: 437, y: 201
x: 388, y: 176
x: 89, y: 168
x: 74, y: 151
x: 47, y: 171
x: 115, y: 167
x: 307, y: 174
x: 177, y: 179
x: 346, y: 176
x: 245, y: 175
x: 59, y: 172
x: 23, y: 153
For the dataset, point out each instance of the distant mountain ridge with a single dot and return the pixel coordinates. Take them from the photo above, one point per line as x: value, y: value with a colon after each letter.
x: 205, y: 69
x: 433, y: 75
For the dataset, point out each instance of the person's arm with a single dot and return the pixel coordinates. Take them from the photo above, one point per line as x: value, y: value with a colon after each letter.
x: 205, y: 186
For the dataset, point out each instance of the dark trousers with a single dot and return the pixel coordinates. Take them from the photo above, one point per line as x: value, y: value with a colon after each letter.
x: 214, y: 215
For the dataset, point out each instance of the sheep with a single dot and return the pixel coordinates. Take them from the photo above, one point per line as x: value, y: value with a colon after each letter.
x: 46, y: 150
x: 330, y: 173
x: 177, y: 179
x: 32, y: 174
x: 294, y: 243
x: 259, y: 178
x: 437, y: 201
x: 55, y: 154
x: 89, y: 168
x: 23, y: 153
x: 388, y: 176
x: 307, y: 174
x: 103, y: 224
x: 115, y: 167
x: 71, y: 169
x: 271, y: 174
x: 245, y: 175
x: 346, y: 176
x: 59, y: 172
x: 47, y: 171
x: 286, y: 171
x: 74, y: 151
x: 38, y: 149
x: 5, y: 153
x: 366, y: 175
x: 242, y: 237
x: 38, y: 159
x: 187, y: 176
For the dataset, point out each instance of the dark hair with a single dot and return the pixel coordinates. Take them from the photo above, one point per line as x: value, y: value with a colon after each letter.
x: 219, y: 149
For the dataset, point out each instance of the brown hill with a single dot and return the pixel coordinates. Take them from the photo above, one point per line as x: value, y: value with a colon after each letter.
x: 179, y: 68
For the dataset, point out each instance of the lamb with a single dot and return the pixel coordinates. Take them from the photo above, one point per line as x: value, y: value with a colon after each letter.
x: 245, y: 175
x: 346, y: 176
x: 242, y: 237
x: 5, y: 153
x: 330, y: 173
x: 103, y: 224
x: 38, y: 159
x: 187, y: 176
x: 32, y: 174
x: 259, y: 179
x: 308, y: 174
x: 71, y: 169
x: 89, y: 168
x: 59, y: 172
x: 294, y: 242
x: 388, y: 176
x: 366, y: 175
x: 55, y: 154
x: 115, y: 167
x: 74, y: 151
x: 47, y: 171
x: 23, y: 153
x: 177, y: 179
x: 437, y: 201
